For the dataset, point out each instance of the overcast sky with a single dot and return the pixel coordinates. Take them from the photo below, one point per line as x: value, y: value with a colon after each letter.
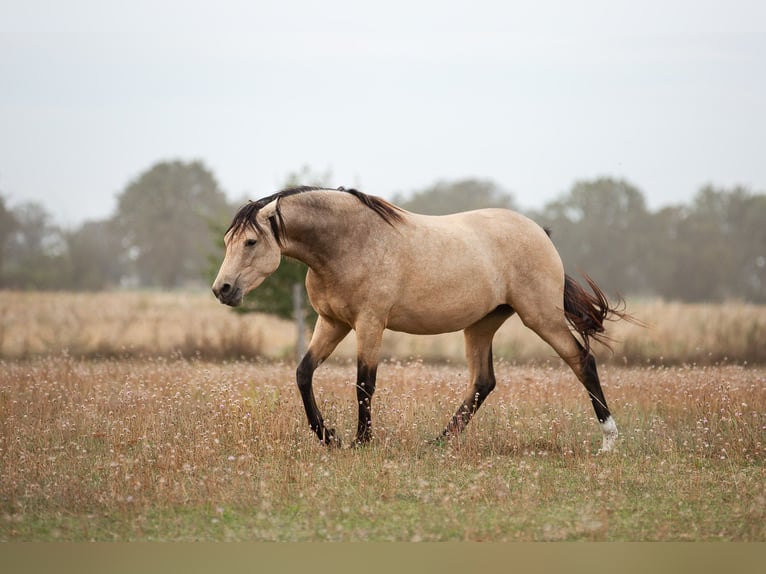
x: 389, y: 96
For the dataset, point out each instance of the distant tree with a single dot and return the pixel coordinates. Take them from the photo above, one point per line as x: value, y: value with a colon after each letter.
x: 454, y: 196
x: 8, y: 226
x: 163, y: 218
x: 95, y: 255
x: 670, y: 253
x: 720, y: 250
x: 751, y: 246
x: 35, y: 250
x: 601, y: 228
x: 709, y: 250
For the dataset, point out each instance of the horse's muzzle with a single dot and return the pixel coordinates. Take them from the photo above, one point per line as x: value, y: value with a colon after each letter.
x: 228, y: 294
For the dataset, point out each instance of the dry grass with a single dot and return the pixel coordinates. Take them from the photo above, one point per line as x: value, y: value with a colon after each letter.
x: 147, y: 416
x: 132, y: 324
x: 153, y: 324
x: 159, y: 449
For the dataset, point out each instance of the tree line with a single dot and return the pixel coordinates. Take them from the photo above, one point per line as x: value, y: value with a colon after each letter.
x: 167, y: 231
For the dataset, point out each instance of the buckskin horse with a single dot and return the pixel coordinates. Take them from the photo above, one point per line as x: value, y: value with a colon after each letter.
x: 374, y: 266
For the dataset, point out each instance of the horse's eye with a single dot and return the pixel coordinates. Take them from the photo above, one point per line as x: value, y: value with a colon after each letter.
x: 250, y: 242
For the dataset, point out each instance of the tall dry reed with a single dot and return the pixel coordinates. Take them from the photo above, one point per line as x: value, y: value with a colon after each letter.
x: 153, y: 324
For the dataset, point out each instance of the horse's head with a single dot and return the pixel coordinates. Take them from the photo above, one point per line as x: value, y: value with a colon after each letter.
x: 252, y: 254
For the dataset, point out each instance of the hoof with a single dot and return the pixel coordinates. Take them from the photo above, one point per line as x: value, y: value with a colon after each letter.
x: 609, y: 428
x: 331, y: 439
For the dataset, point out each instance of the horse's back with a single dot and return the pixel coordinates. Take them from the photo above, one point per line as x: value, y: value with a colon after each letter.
x: 495, y: 238
x: 482, y: 223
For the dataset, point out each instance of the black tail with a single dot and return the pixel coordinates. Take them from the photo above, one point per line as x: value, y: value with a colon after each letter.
x: 586, y: 312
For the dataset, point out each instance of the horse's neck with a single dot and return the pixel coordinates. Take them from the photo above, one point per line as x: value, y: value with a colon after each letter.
x: 323, y: 234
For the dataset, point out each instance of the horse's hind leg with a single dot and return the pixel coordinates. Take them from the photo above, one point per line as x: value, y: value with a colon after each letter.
x: 556, y: 333
x: 478, y: 352
x: 593, y: 386
x: 369, y: 335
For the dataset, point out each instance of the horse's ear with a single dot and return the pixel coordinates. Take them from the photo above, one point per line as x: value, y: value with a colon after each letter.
x: 268, y: 210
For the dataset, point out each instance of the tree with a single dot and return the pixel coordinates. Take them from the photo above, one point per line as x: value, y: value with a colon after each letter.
x: 670, y: 253
x: 96, y: 258
x: 164, y: 217
x: 8, y: 226
x: 751, y: 246
x: 452, y: 197
x: 721, y: 247
x: 35, y: 250
x: 601, y: 227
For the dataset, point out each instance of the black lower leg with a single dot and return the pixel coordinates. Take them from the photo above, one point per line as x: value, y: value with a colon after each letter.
x: 482, y: 386
x: 365, y: 388
x: 304, y: 376
x: 593, y: 386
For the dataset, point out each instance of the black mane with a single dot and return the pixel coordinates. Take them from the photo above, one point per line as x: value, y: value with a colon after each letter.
x: 247, y: 214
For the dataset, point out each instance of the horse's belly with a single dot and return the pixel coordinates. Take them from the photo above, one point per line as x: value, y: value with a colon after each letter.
x: 439, y: 302
x: 423, y: 321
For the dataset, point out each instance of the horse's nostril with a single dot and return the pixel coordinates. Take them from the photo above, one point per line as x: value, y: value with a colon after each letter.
x: 225, y: 288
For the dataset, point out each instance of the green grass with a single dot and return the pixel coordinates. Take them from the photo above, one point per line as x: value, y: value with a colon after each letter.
x: 179, y: 450
x: 549, y: 500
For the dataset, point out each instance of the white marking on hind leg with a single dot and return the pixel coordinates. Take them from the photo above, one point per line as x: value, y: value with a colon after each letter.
x: 609, y: 429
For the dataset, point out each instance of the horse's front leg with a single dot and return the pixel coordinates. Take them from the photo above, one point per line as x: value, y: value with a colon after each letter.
x: 327, y: 335
x: 369, y: 335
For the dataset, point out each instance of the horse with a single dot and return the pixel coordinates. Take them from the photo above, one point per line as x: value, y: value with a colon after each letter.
x: 374, y: 266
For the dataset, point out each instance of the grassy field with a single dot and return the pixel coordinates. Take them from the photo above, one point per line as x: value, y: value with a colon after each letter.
x: 164, y: 440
